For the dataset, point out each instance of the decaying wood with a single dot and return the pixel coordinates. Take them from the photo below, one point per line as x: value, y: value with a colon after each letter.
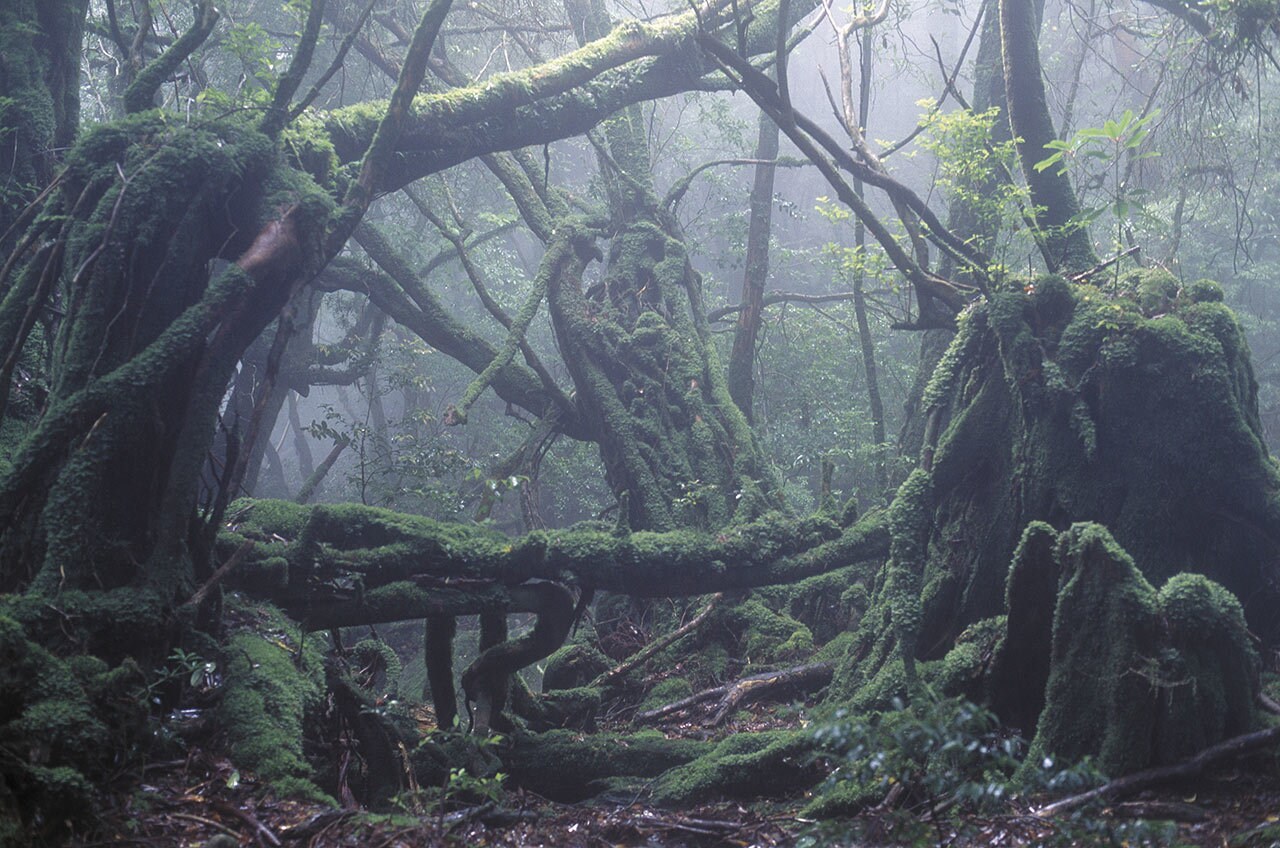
x: 657, y: 645
x: 1127, y: 785
x: 802, y: 678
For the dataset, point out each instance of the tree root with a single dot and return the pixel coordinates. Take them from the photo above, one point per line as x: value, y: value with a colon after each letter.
x: 485, y: 680
x: 1130, y: 783
x: 802, y: 678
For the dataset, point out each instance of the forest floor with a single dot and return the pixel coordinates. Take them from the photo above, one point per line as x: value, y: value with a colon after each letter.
x: 204, y: 802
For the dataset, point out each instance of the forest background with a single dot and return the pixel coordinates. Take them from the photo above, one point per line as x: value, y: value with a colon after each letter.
x: 615, y: 307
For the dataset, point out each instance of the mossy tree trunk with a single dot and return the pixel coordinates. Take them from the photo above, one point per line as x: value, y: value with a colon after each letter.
x: 677, y: 450
x: 39, y: 97
x: 1136, y: 411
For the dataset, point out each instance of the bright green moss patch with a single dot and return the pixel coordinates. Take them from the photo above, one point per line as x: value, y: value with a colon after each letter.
x: 274, y: 682
x: 743, y: 766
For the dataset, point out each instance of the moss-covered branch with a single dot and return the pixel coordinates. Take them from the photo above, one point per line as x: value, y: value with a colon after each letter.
x: 337, y: 565
x: 140, y: 95
x: 554, y: 100
x: 570, y: 251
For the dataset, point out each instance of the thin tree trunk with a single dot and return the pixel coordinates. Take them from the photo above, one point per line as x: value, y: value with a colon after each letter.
x: 1065, y: 241
x: 865, y: 343
x: 741, y: 371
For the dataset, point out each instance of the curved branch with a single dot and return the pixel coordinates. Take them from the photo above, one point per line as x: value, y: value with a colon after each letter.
x: 724, y: 312
x: 140, y: 95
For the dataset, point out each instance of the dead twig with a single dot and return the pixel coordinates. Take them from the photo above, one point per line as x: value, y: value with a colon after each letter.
x: 803, y: 678
x: 260, y: 831
x: 235, y: 559
x: 657, y: 645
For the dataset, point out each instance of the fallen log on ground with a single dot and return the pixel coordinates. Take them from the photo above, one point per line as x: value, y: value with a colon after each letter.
x: 341, y: 565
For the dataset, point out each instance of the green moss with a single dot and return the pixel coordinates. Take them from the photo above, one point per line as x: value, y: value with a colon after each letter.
x: 52, y: 740
x: 273, y: 682
x: 1136, y: 677
x: 564, y: 765
x: 743, y: 766
x: 1137, y: 411
x: 767, y: 636
x: 572, y: 666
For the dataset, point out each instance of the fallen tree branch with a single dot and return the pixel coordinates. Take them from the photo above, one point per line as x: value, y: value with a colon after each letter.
x: 801, y: 678
x: 658, y: 644
x: 1127, y: 785
x: 348, y: 564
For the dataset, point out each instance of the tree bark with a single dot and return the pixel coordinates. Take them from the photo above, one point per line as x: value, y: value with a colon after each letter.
x: 742, y: 359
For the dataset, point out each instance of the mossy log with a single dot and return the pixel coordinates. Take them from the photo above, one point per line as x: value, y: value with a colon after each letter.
x: 565, y: 766
x: 331, y: 566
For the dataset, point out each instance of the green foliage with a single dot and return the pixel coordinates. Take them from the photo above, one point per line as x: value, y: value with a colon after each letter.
x: 1115, y: 147
x: 938, y: 749
x: 947, y: 762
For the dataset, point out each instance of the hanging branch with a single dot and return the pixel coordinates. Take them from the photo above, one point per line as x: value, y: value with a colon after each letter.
x: 457, y: 239
x: 723, y: 313
x: 566, y: 256
x: 682, y: 185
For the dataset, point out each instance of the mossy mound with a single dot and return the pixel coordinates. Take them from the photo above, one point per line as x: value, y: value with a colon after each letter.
x: 61, y: 722
x: 566, y: 766
x: 747, y: 765
x: 1135, y: 408
x: 1133, y: 677
x: 572, y: 666
x: 275, y: 685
